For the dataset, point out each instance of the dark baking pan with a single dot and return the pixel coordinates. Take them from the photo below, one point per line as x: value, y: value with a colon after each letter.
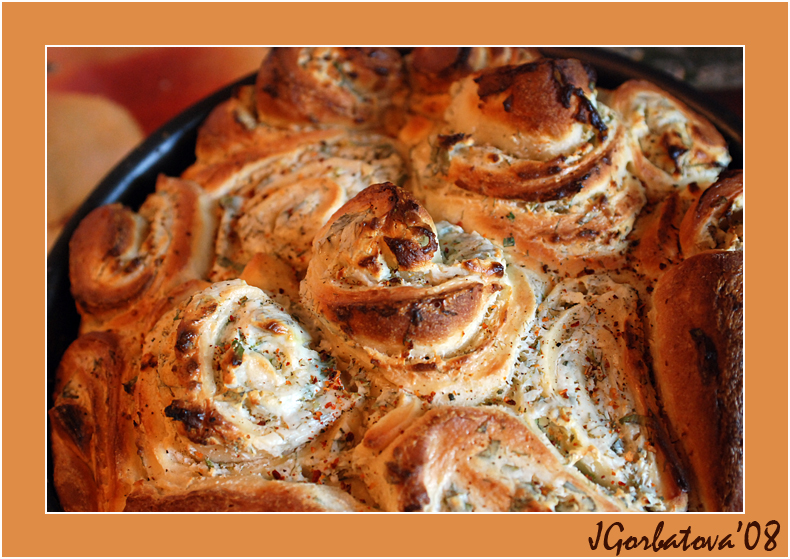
x: 170, y: 150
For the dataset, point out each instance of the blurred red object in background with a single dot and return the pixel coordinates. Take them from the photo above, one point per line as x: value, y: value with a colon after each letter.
x: 153, y: 83
x: 103, y: 101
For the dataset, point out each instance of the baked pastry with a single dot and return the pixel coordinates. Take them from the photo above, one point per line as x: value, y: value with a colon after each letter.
x: 490, y: 461
x: 449, y: 279
x: 697, y: 339
x: 715, y: 220
x: 529, y: 157
x: 353, y: 87
x: 673, y: 147
x: 584, y: 383
x: 121, y: 262
x: 434, y: 310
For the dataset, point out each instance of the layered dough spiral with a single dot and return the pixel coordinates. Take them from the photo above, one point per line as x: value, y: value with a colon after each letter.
x: 122, y: 262
x: 276, y: 188
x: 715, y: 220
x: 584, y: 383
x: 434, y: 310
x: 477, y: 459
x: 227, y: 384
x: 529, y: 157
x: 352, y: 87
x: 673, y: 147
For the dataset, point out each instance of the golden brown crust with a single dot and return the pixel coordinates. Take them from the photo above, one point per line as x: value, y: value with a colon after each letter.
x: 674, y: 148
x: 492, y: 361
x: 436, y: 312
x: 87, y: 422
x: 529, y: 155
x: 697, y: 344
x: 121, y: 262
x: 657, y: 231
x: 584, y: 383
x: 352, y: 87
x: 457, y: 458
x: 715, y: 220
x: 228, y: 386
x: 243, y: 495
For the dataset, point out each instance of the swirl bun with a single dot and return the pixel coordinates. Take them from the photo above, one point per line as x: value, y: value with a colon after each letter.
x: 432, y: 70
x: 228, y: 383
x: 430, y: 308
x: 715, y: 220
x: 122, y: 261
x: 673, y: 147
x: 350, y: 87
x: 584, y: 383
x: 529, y: 154
x: 276, y: 188
x: 490, y: 461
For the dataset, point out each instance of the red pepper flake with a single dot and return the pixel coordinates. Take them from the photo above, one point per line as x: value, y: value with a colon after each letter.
x: 621, y: 483
x: 510, y: 401
x: 231, y: 318
x: 329, y: 405
x: 564, y: 393
x: 317, y: 415
x: 574, y: 324
x: 316, y: 477
x: 276, y: 475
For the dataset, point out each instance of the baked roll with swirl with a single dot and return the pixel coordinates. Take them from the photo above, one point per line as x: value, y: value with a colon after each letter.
x: 715, y: 220
x: 122, y: 262
x: 583, y: 381
x: 275, y: 188
x: 468, y: 459
x: 697, y: 345
x: 528, y: 154
x: 673, y: 147
x: 351, y: 87
x: 430, y: 308
x: 433, y: 70
x: 229, y: 386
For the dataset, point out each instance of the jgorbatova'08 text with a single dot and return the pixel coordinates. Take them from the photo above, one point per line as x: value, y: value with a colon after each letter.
x: 612, y: 538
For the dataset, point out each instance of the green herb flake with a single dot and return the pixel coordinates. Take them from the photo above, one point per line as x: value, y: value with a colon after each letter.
x: 510, y: 216
x: 509, y: 242
x: 238, y: 349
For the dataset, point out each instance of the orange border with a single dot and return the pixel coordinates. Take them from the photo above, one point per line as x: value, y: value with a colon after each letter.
x: 29, y: 27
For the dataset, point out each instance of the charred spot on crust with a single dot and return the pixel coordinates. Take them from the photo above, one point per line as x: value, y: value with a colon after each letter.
x: 424, y: 368
x: 199, y: 422
x: 675, y: 149
x: 73, y: 419
x: 413, y: 251
x: 448, y: 141
x: 708, y: 363
x: 502, y: 78
x: 187, y: 334
x: 149, y: 360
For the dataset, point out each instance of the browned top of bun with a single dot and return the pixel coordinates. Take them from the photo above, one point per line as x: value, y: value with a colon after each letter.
x: 715, y: 221
x: 434, y: 69
x: 347, y: 86
x: 698, y: 360
x: 243, y: 495
x: 120, y: 260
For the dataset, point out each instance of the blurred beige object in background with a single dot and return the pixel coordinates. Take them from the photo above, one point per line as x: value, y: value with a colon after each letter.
x: 86, y: 136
